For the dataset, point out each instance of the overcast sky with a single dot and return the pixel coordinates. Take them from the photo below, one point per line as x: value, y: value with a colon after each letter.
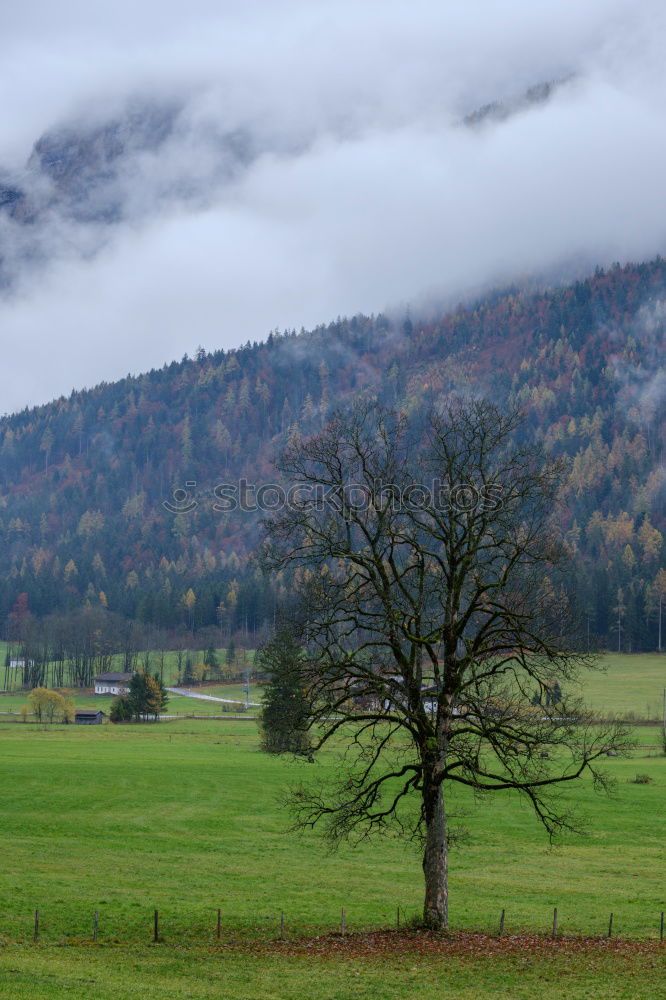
x: 367, y: 193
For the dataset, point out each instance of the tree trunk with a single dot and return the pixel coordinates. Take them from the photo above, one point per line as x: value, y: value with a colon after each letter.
x: 435, y: 859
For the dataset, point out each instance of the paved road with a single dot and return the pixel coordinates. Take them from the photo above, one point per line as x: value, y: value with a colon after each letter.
x: 186, y: 693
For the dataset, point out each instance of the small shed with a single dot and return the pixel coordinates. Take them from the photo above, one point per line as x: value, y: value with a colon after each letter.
x: 89, y: 717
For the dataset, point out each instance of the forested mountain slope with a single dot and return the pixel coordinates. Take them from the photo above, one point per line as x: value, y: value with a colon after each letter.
x: 83, y: 480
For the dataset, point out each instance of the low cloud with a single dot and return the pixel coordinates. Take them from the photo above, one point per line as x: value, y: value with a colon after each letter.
x: 318, y: 165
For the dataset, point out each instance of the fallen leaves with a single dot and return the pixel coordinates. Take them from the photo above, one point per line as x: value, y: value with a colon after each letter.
x: 460, y: 943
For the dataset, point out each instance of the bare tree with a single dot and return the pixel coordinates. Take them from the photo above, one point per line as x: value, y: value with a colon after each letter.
x: 432, y: 611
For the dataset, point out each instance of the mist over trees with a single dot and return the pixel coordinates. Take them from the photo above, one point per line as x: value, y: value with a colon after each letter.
x: 84, y: 480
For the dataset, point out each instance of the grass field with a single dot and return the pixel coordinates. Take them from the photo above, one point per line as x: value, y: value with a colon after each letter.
x: 628, y: 684
x: 118, y: 973
x: 185, y: 816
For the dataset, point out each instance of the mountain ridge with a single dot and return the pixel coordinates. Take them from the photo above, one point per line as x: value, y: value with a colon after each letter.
x: 84, y: 480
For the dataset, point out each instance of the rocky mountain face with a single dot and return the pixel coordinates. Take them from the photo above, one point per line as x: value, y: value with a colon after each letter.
x: 84, y: 167
x: 499, y: 111
x: 85, y: 177
x: 76, y: 170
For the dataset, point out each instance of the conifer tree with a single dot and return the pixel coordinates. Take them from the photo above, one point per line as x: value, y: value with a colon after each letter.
x: 286, y: 712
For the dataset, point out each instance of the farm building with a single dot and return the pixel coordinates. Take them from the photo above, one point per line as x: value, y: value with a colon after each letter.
x: 86, y: 717
x: 113, y: 683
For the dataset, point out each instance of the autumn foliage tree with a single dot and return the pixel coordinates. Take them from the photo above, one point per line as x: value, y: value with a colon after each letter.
x: 51, y: 706
x: 146, y: 698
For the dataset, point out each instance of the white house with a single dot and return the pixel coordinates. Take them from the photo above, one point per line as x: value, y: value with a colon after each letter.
x: 112, y: 683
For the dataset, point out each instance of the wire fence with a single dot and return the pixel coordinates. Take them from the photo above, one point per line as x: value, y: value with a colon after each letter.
x: 225, y: 715
x: 174, y: 925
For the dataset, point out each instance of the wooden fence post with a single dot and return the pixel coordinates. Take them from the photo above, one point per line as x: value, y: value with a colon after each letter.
x: 343, y: 924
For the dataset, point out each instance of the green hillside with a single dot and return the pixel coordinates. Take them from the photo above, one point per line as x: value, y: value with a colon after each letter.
x: 83, y: 481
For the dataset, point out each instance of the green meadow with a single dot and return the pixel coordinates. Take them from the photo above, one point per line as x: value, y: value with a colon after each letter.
x: 186, y: 817
x: 628, y: 684
x: 159, y: 973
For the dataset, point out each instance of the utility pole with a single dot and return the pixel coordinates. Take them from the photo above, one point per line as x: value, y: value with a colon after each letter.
x: 660, y: 600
